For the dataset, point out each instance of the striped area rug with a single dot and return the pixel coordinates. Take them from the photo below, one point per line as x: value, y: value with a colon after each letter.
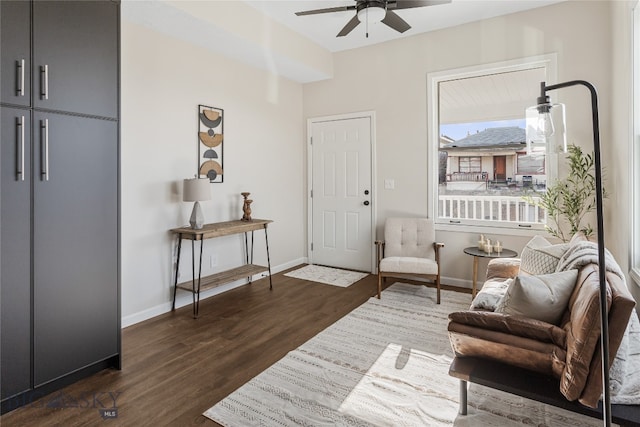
x: 384, y: 364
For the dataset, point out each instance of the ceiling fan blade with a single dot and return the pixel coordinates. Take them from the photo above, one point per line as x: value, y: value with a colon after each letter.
x: 395, y: 22
x: 408, y: 4
x: 327, y: 10
x: 350, y: 26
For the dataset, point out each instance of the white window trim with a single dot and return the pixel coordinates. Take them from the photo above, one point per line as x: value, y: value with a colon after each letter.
x: 634, y: 165
x: 549, y: 62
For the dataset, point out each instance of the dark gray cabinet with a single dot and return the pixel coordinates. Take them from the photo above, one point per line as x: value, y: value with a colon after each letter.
x: 70, y: 72
x: 15, y: 268
x: 75, y: 243
x: 59, y: 206
x: 15, y: 52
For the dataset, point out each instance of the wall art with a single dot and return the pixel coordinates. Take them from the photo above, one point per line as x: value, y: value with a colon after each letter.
x: 210, y: 143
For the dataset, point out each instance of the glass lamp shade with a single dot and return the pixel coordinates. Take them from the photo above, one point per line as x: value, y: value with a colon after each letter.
x: 546, y: 129
x: 372, y: 14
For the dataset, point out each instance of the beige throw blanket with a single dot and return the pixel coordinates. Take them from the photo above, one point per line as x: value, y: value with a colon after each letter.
x: 625, y: 370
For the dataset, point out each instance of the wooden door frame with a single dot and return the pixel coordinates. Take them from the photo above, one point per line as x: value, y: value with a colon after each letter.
x: 371, y: 115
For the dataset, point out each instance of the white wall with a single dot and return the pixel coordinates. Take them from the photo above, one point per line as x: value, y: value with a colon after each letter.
x: 391, y: 80
x: 163, y: 81
x: 617, y: 146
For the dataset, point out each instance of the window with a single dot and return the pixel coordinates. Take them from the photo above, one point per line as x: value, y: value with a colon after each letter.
x: 635, y: 150
x: 531, y: 164
x: 469, y: 164
x: 479, y: 167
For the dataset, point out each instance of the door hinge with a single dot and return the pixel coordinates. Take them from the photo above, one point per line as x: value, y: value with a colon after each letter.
x: 312, y: 194
x: 311, y: 245
x: 311, y: 140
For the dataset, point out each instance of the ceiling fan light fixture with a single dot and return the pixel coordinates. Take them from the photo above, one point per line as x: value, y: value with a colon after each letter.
x: 372, y: 14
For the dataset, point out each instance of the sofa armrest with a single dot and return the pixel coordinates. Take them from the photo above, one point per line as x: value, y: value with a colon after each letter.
x: 505, y: 268
x: 514, y: 325
x: 620, y: 310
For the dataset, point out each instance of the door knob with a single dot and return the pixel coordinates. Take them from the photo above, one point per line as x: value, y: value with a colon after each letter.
x: 366, y: 192
x: 366, y: 203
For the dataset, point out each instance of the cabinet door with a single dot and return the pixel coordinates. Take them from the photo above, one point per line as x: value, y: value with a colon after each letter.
x: 75, y: 243
x: 15, y: 252
x: 75, y: 65
x: 15, y: 45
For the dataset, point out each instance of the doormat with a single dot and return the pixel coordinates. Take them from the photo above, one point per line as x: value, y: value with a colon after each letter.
x: 327, y: 275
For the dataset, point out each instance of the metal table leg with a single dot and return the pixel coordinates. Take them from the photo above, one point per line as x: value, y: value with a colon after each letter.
x: 196, y: 288
x: 266, y: 239
x: 197, y: 307
x: 248, y: 260
x: 250, y: 279
x: 246, y: 249
x: 175, y: 283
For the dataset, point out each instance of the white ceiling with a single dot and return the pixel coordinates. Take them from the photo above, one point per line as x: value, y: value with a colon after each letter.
x: 322, y: 28
x: 238, y: 25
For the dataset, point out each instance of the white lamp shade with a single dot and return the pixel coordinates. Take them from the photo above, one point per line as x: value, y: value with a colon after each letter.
x: 372, y: 14
x: 196, y: 189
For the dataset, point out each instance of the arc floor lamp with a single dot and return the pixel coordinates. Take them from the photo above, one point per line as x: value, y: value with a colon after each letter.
x: 544, y: 130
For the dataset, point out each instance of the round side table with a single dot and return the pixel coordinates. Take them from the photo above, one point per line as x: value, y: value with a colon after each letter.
x: 479, y: 253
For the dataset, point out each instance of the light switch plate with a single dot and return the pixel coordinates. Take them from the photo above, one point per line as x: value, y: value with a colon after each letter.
x: 389, y: 184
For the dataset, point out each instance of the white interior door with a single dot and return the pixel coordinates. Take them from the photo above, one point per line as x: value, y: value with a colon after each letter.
x: 341, y: 193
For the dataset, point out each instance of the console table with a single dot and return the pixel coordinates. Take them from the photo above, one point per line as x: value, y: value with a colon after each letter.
x: 211, y: 231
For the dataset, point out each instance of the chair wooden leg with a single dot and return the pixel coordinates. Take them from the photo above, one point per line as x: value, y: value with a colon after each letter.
x: 379, y: 284
x: 438, y: 290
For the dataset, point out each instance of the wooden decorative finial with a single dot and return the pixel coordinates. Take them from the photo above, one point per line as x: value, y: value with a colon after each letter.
x: 246, y: 207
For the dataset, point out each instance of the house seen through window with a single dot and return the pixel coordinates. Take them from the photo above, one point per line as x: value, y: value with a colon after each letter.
x: 484, y: 168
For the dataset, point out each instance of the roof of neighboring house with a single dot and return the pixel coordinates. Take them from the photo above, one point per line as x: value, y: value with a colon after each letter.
x: 444, y: 140
x: 511, y: 137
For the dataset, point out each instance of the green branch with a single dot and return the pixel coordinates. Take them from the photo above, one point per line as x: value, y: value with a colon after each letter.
x: 568, y: 200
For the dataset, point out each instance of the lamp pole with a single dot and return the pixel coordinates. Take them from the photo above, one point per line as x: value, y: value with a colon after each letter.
x: 604, y: 324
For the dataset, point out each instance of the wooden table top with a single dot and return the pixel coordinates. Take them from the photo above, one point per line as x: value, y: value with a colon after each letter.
x: 218, y: 229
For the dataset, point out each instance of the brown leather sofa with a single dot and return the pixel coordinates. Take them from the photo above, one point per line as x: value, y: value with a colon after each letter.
x: 569, y: 351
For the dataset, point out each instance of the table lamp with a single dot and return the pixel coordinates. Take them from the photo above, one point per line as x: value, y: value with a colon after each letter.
x: 196, y: 190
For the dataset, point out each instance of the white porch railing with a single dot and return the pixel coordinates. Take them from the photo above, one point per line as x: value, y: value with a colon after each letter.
x: 490, y: 208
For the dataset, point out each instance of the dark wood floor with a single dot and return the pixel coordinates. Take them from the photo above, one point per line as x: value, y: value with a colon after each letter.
x: 176, y: 367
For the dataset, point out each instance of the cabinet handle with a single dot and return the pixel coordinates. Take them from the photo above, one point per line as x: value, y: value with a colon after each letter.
x: 20, y: 78
x: 44, y: 81
x: 20, y: 144
x: 44, y: 150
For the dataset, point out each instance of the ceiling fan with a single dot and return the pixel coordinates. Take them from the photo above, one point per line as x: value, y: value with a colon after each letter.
x: 372, y: 11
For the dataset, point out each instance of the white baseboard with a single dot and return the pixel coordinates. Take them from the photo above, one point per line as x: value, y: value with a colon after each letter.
x: 461, y: 283
x: 183, y: 299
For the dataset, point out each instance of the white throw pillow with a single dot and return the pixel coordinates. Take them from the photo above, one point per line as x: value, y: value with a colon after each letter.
x: 541, y: 257
x: 542, y: 297
x: 491, y: 293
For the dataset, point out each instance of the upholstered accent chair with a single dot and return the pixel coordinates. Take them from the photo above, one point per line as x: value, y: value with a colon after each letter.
x: 409, y: 251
